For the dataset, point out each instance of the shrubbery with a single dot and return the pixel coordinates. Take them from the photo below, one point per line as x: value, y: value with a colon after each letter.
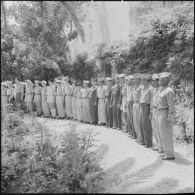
x: 32, y: 163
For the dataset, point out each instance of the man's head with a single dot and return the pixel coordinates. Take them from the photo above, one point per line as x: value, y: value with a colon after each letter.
x: 164, y: 79
x: 94, y: 82
x: 145, y: 79
x: 101, y: 81
x: 155, y: 80
x: 122, y: 79
x: 36, y: 83
x: 109, y: 81
x: 85, y: 83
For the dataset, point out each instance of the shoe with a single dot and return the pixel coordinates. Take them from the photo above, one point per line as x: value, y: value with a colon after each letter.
x: 168, y: 158
x: 155, y: 149
x: 162, y: 155
x: 160, y: 151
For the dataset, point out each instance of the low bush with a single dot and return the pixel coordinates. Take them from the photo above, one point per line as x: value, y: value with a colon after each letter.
x: 32, y: 163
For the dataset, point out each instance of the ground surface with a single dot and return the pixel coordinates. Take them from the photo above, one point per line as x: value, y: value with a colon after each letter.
x: 132, y: 168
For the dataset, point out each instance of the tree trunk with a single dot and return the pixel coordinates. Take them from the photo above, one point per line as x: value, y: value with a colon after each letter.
x: 4, y: 14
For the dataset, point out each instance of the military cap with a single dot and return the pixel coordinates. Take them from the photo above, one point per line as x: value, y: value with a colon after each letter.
x: 101, y: 79
x: 165, y: 75
x: 108, y: 79
x: 36, y: 81
x: 155, y: 76
x: 146, y: 76
x: 122, y: 76
x: 3, y: 84
x: 86, y: 81
x: 43, y: 81
x: 58, y: 81
x: 130, y: 76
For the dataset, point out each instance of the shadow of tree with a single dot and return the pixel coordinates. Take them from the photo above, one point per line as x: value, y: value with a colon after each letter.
x: 102, y: 150
x: 180, y: 160
x: 116, y: 182
x: 165, y: 185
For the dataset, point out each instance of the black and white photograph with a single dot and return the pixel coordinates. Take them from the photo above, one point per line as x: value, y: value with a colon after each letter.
x: 97, y: 97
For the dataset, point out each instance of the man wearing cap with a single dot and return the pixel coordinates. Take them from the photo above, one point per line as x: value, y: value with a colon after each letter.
x: 19, y: 92
x: 74, y: 99
x: 109, y: 118
x: 51, y: 98
x: 115, y: 93
x: 136, y: 106
x: 68, y: 98
x: 165, y: 116
x: 60, y: 93
x: 37, y: 97
x: 153, y: 112
x: 45, y: 105
x: 145, y: 101
x: 29, y: 95
x: 130, y: 98
x: 122, y: 98
x: 10, y: 93
x: 94, y: 101
x: 86, y: 102
x: 3, y: 95
x: 101, y: 103
x: 79, y: 102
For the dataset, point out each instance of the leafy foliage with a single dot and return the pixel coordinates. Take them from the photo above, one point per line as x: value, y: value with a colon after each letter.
x: 32, y: 163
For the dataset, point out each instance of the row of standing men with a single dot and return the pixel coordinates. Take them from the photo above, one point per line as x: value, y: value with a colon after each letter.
x: 142, y: 103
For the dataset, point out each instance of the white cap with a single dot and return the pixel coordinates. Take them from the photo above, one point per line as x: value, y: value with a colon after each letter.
x: 108, y: 79
x: 122, y: 76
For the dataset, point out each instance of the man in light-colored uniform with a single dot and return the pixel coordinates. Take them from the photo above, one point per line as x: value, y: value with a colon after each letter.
x: 29, y: 95
x: 153, y: 112
x: 130, y: 99
x: 101, y: 103
x: 60, y: 93
x: 166, y: 116
x: 19, y: 92
x: 37, y: 97
x: 44, y: 103
x: 136, y: 106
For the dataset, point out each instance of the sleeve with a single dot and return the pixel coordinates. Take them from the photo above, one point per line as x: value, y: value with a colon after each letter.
x: 120, y: 96
x: 171, y: 105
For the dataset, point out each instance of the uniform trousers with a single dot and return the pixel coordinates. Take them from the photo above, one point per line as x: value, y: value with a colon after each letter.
x: 136, y: 120
x: 45, y: 105
x: 116, y: 115
x: 109, y: 117
x: 60, y: 105
x: 74, y: 107
x: 51, y: 101
x: 101, y: 111
x: 145, y: 124
x: 86, y: 110
x: 130, y: 124
x: 29, y: 100
x: 165, y: 128
x: 79, y: 109
x: 68, y: 105
x: 155, y: 129
x: 3, y: 101
x: 94, y: 112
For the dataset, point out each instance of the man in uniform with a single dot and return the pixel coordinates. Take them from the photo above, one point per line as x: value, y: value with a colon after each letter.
x: 109, y: 118
x: 3, y: 95
x: 153, y: 112
x: 29, y: 95
x: 19, y: 92
x: 165, y: 116
x: 115, y: 93
x: 45, y: 105
x: 94, y: 101
x: 37, y: 97
x: 145, y: 101
x: 136, y: 106
x: 130, y: 98
x: 101, y: 103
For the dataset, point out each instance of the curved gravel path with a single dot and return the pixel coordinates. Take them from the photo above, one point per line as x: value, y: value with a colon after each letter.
x: 132, y: 168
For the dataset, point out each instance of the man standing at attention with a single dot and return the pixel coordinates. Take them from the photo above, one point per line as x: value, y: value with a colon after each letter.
x: 19, y: 92
x: 165, y: 116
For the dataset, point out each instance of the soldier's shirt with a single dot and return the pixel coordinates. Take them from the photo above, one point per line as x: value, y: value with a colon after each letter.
x: 165, y: 100
x: 18, y: 88
x: 146, y: 95
x: 137, y: 93
x: 101, y: 92
x: 130, y: 97
x: 115, y: 93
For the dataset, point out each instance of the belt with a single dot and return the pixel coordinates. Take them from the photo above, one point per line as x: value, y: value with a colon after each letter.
x: 37, y: 94
x: 29, y: 93
x: 69, y: 94
x: 155, y: 107
x: 3, y: 95
x: 136, y: 101
x: 85, y: 98
x: 101, y: 98
x: 59, y: 95
x: 159, y: 109
x: 144, y: 104
x: 130, y: 102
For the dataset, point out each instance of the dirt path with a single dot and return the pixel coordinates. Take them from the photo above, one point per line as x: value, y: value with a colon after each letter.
x: 132, y: 168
